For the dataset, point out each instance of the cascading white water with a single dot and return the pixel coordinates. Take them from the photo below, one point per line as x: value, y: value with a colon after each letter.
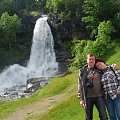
x: 42, y: 59
x: 12, y: 76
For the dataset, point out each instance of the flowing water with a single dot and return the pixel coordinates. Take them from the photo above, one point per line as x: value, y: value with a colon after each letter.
x: 42, y: 60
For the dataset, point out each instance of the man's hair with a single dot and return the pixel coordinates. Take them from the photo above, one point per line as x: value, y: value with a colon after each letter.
x: 90, y: 54
x: 99, y: 60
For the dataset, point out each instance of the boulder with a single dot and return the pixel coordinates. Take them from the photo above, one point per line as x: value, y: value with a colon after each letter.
x: 34, y: 84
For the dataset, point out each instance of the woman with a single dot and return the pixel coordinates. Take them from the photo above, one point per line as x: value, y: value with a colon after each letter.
x: 111, y: 83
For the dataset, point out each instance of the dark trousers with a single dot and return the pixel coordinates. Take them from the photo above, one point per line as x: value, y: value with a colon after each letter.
x: 99, y: 102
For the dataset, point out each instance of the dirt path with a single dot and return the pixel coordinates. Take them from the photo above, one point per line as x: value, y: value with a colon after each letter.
x: 38, y: 108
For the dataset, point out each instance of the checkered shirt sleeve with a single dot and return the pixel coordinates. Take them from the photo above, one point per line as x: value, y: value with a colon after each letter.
x: 110, y: 83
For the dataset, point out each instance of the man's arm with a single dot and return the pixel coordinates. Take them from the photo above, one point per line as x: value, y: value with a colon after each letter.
x: 81, y: 93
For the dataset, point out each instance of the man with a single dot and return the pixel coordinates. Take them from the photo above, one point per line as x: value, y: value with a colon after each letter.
x: 90, y: 91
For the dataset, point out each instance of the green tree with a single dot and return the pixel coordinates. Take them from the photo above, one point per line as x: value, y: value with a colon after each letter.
x: 96, y: 11
x: 6, y: 6
x: 23, y: 6
x: 19, y: 7
x: 103, y: 39
x: 65, y: 9
x: 77, y: 49
x: 10, y: 26
x: 100, y: 47
x: 65, y: 16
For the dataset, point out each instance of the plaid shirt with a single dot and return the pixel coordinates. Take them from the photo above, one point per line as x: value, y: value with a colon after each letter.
x: 110, y: 83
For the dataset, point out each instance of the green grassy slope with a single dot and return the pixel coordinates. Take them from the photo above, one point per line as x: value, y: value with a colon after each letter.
x: 115, y: 58
x: 57, y: 86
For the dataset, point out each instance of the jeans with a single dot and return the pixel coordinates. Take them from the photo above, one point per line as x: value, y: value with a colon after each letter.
x: 99, y: 102
x: 113, y: 107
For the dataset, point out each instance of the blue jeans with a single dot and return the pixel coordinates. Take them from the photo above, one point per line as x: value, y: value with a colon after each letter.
x: 113, y: 107
x: 99, y: 102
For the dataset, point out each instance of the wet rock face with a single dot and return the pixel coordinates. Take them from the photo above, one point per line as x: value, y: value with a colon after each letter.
x: 62, y: 57
x: 34, y: 84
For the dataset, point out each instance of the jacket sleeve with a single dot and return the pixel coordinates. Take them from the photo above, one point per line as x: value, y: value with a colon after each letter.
x: 80, y: 88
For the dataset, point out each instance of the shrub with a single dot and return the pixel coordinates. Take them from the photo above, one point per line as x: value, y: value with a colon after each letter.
x: 77, y: 54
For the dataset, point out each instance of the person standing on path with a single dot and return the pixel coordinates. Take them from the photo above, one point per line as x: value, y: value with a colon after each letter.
x: 90, y: 90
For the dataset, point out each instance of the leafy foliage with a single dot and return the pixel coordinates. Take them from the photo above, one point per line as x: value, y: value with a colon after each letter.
x: 95, y: 11
x: 99, y: 47
x: 35, y: 13
x: 5, y: 6
x: 103, y: 39
x: 10, y: 26
x: 77, y: 53
x: 66, y: 9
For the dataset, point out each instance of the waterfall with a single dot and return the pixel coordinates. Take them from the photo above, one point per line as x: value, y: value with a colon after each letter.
x: 42, y: 60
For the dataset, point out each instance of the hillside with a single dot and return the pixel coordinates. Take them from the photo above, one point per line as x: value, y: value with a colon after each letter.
x: 115, y: 57
x: 56, y: 101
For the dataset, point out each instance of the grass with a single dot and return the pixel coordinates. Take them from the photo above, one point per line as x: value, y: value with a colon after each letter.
x: 72, y: 111
x: 115, y: 58
x: 67, y: 110
x: 56, y: 86
x: 71, y: 108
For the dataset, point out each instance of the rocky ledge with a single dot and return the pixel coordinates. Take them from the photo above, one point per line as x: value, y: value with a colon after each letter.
x: 24, y: 91
x: 34, y: 84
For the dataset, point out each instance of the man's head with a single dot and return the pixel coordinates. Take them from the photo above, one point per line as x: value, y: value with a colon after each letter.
x: 91, y: 60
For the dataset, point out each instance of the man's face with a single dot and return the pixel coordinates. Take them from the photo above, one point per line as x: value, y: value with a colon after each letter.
x: 91, y: 60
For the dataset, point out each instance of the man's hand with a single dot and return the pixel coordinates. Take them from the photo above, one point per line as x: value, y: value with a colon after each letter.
x: 114, y: 66
x: 82, y: 103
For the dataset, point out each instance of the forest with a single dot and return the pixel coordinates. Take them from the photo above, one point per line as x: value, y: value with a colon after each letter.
x: 81, y: 25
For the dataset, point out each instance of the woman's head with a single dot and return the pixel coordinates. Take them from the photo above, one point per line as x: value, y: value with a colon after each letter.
x: 100, y: 64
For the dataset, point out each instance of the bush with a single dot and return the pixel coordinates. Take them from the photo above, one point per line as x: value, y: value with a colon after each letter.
x: 77, y: 54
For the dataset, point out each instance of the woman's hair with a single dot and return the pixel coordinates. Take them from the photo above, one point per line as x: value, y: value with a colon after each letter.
x: 99, y: 60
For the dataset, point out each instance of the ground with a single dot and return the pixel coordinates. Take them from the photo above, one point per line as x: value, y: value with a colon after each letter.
x: 38, y: 108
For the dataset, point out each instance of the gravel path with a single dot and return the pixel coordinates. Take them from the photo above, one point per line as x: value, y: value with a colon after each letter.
x: 38, y: 108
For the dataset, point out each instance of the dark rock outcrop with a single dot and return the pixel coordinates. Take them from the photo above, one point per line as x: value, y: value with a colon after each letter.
x: 34, y: 84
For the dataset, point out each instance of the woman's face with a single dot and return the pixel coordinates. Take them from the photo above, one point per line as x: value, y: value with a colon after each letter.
x: 101, y: 65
